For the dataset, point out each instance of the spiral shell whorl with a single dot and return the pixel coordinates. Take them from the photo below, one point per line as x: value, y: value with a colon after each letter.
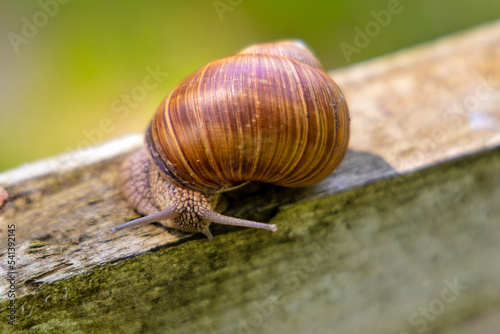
x: 268, y: 114
x: 293, y: 50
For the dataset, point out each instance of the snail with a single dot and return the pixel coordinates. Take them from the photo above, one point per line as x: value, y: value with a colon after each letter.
x: 268, y: 114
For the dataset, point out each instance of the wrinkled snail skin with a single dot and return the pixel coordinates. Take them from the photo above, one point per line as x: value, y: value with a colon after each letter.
x: 267, y: 114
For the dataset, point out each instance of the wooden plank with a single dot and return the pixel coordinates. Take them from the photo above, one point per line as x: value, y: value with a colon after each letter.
x: 412, y: 110
x: 435, y: 103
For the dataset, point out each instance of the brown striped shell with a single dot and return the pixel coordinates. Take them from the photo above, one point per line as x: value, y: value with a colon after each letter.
x: 267, y: 114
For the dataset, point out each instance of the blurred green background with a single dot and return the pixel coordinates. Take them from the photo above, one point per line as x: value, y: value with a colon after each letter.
x: 68, y: 65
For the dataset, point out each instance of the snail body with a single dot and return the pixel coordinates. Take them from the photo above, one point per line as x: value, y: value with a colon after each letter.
x: 267, y: 114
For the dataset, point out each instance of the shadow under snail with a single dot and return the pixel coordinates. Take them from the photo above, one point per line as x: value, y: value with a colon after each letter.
x: 268, y: 114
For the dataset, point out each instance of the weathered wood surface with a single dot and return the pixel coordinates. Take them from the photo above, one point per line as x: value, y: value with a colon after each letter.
x: 412, y: 110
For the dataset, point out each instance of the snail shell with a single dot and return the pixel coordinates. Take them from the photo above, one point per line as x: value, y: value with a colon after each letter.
x: 267, y: 114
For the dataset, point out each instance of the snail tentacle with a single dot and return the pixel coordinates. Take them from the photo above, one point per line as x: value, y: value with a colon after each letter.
x: 226, y: 220
x: 168, y: 213
x: 208, y: 234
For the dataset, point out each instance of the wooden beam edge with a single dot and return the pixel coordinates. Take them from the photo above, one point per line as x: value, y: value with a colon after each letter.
x: 361, y: 167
